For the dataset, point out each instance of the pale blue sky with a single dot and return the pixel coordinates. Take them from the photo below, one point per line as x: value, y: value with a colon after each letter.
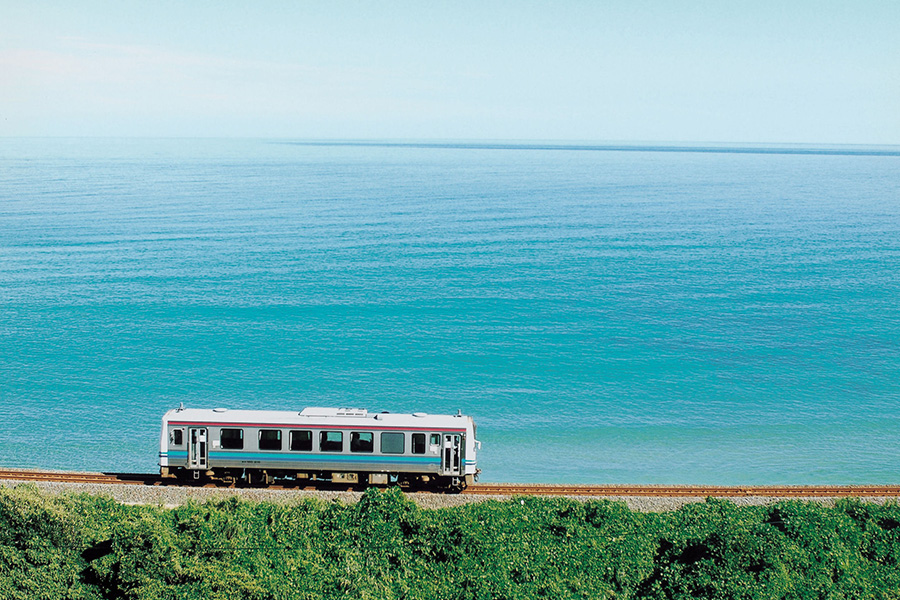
x: 748, y: 71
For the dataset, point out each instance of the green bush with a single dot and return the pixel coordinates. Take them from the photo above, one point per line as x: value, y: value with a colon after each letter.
x: 386, y: 547
x: 40, y: 547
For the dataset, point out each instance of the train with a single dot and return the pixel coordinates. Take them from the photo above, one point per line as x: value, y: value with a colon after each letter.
x: 337, y: 445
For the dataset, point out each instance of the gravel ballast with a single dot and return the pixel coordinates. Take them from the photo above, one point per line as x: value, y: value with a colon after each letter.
x: 171, y: 496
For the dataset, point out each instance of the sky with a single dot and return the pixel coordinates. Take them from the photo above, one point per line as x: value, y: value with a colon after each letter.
x: 819, y: 72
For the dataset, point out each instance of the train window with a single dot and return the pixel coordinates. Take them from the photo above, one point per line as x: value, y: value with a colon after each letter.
x: 301, y: 440
x: 331, y: 441
x: 391, y: 443
x: 435, y: 439
x: 362, y: 441
x: 232, y: 439
x: 418, y: 443
x: 270, y: 439
x: 177, y: 437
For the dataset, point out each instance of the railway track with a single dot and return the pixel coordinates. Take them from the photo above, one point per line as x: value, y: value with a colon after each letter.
x: 498, y: 489
x: 78, y: 477
x: 831, y: 491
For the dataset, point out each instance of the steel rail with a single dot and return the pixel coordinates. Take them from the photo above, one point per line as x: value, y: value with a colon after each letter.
x: 829, y: 491
x: 78, y: 477
x: 491, y: 489
x: 146, y: 479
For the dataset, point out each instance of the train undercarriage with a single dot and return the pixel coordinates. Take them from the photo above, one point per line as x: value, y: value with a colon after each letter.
x: 248, y: 477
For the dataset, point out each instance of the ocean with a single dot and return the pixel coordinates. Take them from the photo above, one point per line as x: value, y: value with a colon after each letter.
x: 607, y: 314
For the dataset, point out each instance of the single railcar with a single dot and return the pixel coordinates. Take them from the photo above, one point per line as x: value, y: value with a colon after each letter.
x: 350, y: 446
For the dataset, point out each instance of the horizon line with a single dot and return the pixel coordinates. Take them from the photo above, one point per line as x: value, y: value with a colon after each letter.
x: 685, y: 147
x: 796, y: 148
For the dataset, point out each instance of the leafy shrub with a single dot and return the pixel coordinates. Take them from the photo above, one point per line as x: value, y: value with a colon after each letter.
x: 387, y: 547
x: 39, y: 546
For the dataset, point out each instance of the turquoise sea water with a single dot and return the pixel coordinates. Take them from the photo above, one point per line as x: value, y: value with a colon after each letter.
x: 607, y: 315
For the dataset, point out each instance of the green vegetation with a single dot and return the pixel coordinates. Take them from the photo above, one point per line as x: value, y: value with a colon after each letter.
x: 85, y: 547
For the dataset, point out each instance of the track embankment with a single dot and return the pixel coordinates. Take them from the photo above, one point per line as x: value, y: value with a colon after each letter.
x: 493, y: 489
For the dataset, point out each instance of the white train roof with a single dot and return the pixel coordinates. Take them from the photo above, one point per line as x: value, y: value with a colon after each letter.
x: 315, y: 416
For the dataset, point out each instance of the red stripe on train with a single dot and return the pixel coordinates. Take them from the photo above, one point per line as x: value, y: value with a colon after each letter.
x: 313, y: 426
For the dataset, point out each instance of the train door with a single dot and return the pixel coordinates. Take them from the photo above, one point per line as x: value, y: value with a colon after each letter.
x: 450, y: 456
x: 197, y: 448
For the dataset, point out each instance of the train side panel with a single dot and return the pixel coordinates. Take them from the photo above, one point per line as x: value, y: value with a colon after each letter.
x: 330, y: 444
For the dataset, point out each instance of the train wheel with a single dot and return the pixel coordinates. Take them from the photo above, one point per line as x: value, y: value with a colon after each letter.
x: 454, y: 485
x: 258, y: 478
